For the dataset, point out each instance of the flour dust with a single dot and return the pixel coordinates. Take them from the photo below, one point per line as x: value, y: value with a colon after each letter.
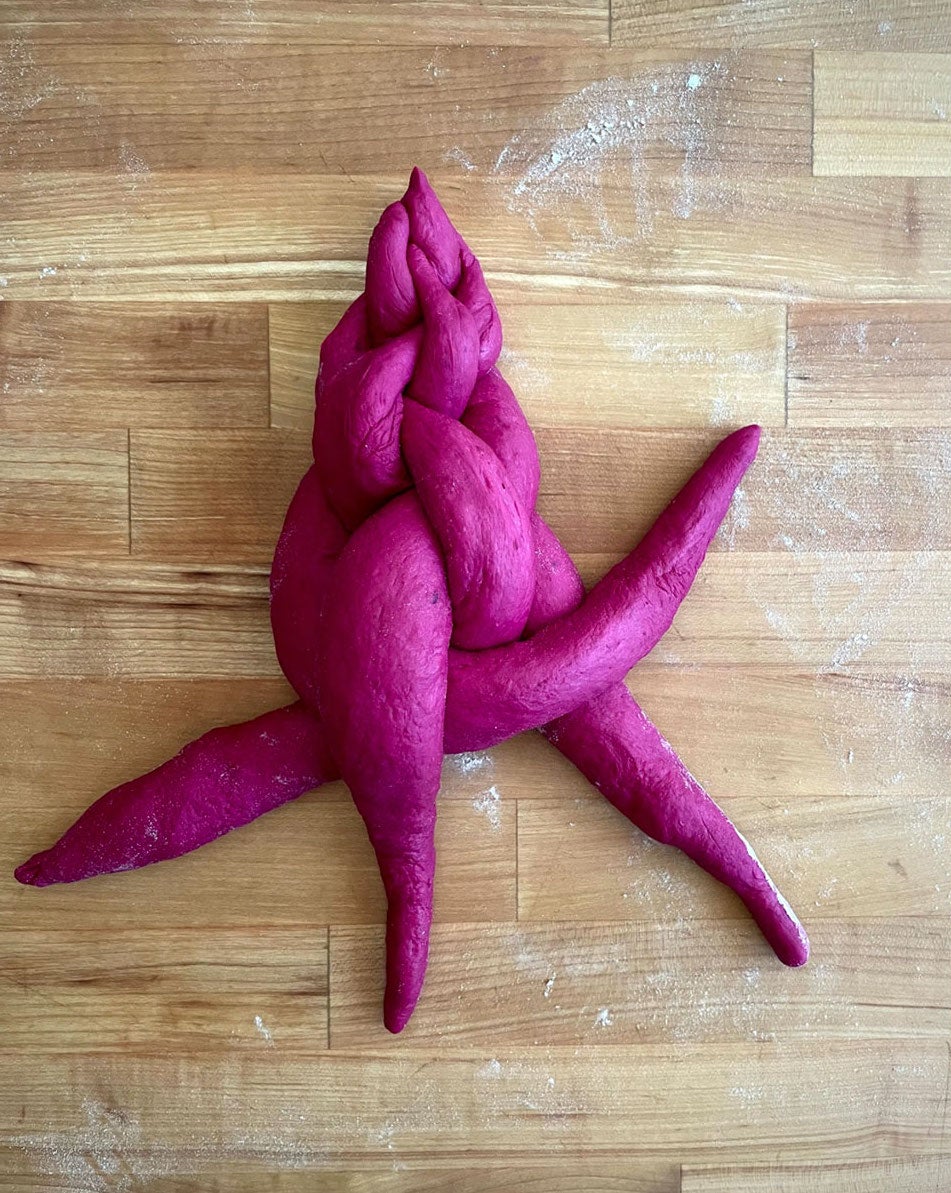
x: 103, y: 1155
x: 612, y: 129
x: 881, y: 714
x: 488, y: 803
x: 607, y: 141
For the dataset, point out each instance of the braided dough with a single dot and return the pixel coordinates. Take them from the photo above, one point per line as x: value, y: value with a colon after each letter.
x: 420, y: 605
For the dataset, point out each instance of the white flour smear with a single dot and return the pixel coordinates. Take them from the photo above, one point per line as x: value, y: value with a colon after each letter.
x: 24, y: 84
x: 525, y: 375
x: 489, y: 804
x: 478, y: 762
x: 610, y: 131
x: 105, y: 1155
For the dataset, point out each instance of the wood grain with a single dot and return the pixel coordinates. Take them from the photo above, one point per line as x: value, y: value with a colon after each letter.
x: 218, y: 496
x: 909, y: 1175
x: 295, y: 332
x: 874, y: 857
x: 187, y: 192
x: 201, y: 236
x: 198, y: 990
x: 133, y: 618
x: 374, y: 109
x: 883, y: 114
x: 340, y: 1109
x: 748, y: 731
x: 576, y: 1175
x: 602, y: 487
x: 807, y: 24
x: 395, y: 22
x: 875, y: 365
x: 605, y: 984
x: 69, y: 367
x: 148, y: 619
x: 80, y: 737
x: 840, y: 614
x: 682, y: 364
x: 64, y: 494
x: 829, y: 737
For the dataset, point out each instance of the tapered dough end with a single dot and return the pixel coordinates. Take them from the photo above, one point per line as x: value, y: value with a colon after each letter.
x: 31, y: 873
x: 407, y: 952
x: 787, y: 937
x: 776, y: 919
x: 396, y: 1016
x: 799, y: 957
x: 746, y: 438
x: 736, y: 452
x: 742, y: 447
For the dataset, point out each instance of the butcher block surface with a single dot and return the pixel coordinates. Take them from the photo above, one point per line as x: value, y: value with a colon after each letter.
x: 693, y: 214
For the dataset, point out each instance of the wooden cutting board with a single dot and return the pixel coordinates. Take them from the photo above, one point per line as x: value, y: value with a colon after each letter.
x: 692, y: 217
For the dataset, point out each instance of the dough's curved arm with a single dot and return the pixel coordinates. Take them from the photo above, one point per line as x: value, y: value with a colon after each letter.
x: 616, y: 747
x: 222, y: 780
x: 613, y: 743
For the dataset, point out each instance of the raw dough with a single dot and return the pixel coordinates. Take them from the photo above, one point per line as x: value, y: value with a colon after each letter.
x: 421, y: 605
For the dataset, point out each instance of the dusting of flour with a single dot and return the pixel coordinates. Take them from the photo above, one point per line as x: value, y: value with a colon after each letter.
x: 841, y: 610
x: 668, y: 112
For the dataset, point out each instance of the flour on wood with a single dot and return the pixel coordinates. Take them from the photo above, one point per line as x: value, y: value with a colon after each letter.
x: 489, y: 804
x: 879, y: 724
x: 526, y: 376
x: 474, y: 763
x: 105, y: 1154
x: 615, y: 123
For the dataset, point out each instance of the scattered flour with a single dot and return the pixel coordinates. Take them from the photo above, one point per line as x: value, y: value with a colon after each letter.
x: 461, y: 158
x: 24, y: 84
x: 263, y: 1030
x: 467, y: 764
x: 526, y: 376
x: 489, y: 803
x: 130, y: 161
x: 133, y: 166
x: 104, y: 1155
x: 838, y: 605
x: 384, y: 1136
x: 680, y: 1001
x: 670, y: 112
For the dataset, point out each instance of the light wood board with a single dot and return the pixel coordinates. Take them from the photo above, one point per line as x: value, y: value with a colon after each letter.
x: 693, y: 215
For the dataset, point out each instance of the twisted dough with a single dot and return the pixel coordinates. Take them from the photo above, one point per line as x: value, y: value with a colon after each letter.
x: 420, y: 604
